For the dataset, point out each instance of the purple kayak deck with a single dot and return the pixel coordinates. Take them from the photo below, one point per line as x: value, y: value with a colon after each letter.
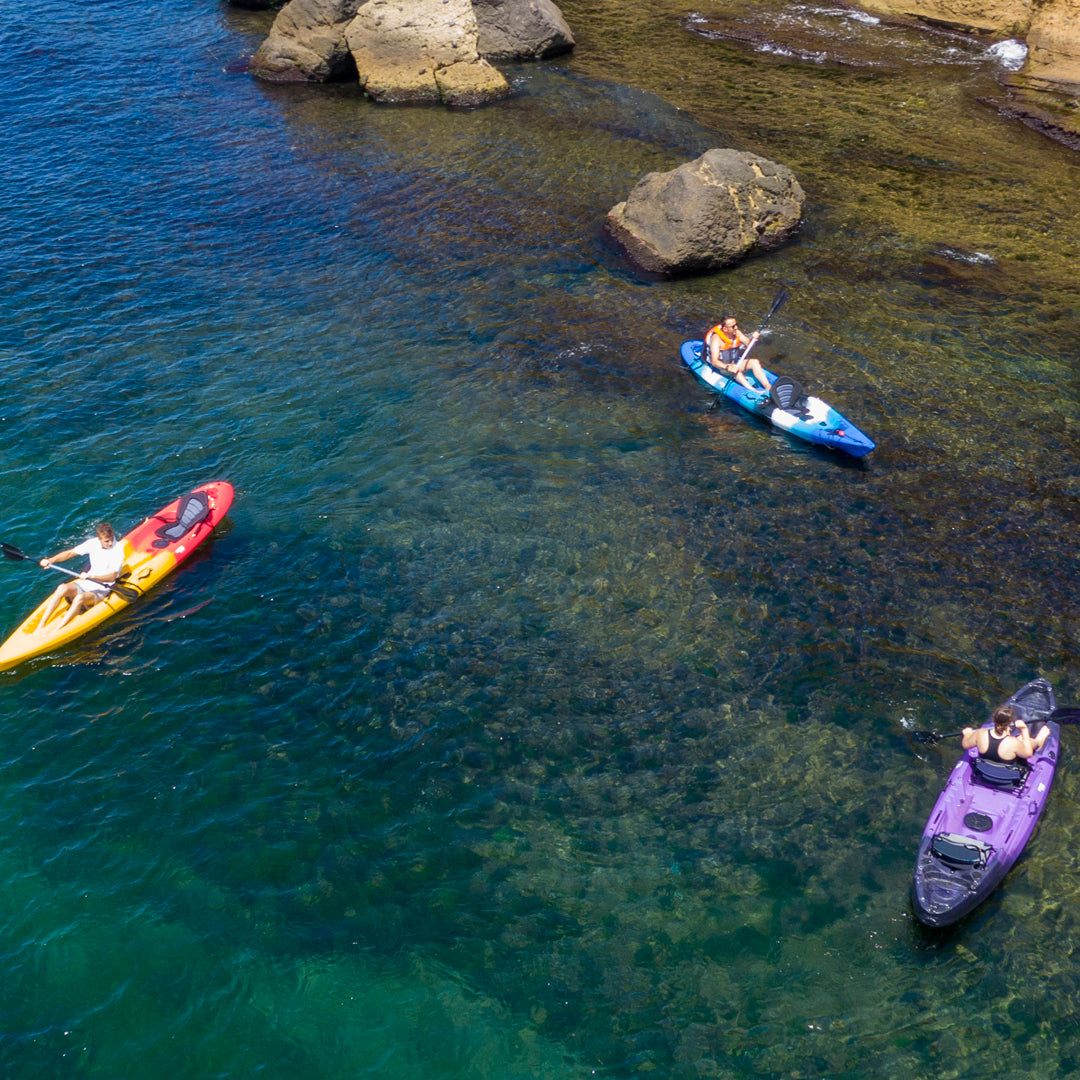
x: 981, y: 823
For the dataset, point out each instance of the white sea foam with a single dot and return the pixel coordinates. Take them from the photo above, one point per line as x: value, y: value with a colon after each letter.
x: 1011, y: 54
x: 843, y: 13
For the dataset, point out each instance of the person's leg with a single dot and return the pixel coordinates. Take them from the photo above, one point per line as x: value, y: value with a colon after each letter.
x: 60, y: 593
x: 758, y: 372
x: 81, y: 602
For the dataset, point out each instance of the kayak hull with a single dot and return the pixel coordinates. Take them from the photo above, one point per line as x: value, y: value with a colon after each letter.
x: 148, y: 559
x: 980, y: 826
x: 816, y: 422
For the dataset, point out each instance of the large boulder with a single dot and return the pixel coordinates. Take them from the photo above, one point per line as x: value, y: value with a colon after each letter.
x: 421, y: 50
x: 520, y: 29
x: 410, y: 50
x: 307, y: 43
x: 707, y: 213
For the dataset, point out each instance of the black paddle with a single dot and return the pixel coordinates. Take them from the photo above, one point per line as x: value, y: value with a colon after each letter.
x: 777, y: 304
x: 1059, y: 716
x: 128, y: 592
x: 931, y: 737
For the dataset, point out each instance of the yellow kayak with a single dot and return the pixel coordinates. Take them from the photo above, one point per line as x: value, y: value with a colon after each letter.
x: 152, y: 551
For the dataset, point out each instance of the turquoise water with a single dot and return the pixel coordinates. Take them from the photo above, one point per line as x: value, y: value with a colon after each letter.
x: 528, y: 717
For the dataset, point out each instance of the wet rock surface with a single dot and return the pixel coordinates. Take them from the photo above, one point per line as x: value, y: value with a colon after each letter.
x: 707, y: 213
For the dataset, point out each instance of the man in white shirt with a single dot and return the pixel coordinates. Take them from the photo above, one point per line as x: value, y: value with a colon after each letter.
x: 106, y: 563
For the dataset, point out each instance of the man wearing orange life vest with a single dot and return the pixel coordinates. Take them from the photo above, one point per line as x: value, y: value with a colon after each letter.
x: 726, y: 344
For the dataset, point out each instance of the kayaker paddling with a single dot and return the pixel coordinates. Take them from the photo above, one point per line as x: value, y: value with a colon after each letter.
x: 988, y: 809
x: 998, y: 743
x: 106, y: 562
x: 729, y: 352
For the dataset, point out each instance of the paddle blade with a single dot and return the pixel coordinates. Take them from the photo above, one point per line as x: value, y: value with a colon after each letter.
x: 778, y: 303
x: 128, y: 592
x: 1066, y: 716
x: 928, y: 737
x: 12, y: 552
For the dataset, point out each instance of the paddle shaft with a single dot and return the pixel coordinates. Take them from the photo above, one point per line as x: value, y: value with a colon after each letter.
x: 128, y: 592
x: 777, y: 304
x: 1059, y: 716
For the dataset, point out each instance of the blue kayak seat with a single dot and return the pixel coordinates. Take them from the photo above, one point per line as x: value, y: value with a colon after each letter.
x: 788, y: 395
x: 961, y: 852
x: 1004, y: 775
x: 193, y: 508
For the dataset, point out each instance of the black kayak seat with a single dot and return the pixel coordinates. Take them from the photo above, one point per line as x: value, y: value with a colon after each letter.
x: 1006, y: 775
x: 961, y: 852
x: 193, y: 508
x: 786, y: 393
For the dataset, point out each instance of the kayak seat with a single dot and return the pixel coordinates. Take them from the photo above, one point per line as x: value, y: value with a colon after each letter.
x: 1003, y: 775
x: 193, y: 508
x: 961, y: 852
x: 788, y: 395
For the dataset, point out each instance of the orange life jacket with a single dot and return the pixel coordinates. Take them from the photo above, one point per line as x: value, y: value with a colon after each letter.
x: 729, y: 346
x: 726, y: 341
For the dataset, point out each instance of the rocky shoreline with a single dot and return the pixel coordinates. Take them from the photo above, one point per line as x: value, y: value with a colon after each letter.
x: 1045, y: 93
x: 404, y: 51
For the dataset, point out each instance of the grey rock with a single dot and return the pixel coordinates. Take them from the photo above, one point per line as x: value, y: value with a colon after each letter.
x: 708, y: 213
x: 520, y: 29
x: 307, y: 43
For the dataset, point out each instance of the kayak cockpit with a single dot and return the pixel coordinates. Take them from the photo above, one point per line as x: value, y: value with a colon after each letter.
x: 961, y: 852
x: 1000, y: 775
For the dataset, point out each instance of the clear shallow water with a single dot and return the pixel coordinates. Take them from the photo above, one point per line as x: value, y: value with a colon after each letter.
x: 528, y: 718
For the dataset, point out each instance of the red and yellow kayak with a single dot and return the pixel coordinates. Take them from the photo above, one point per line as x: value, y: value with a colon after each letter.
x: 152, y: 551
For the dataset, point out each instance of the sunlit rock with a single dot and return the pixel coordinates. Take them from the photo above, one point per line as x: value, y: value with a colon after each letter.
x: 410, y: 50
x: 421, y: 50
x: 307, y: 43
x: 708, y: 213
x: 1054, y: 43
x: 1050, y: 28
x: 520, y: 29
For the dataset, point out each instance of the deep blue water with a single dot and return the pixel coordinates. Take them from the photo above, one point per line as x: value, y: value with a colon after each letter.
x: 526, y: 718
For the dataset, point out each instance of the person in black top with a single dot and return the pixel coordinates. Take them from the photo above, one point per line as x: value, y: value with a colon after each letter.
x: 999, y: 743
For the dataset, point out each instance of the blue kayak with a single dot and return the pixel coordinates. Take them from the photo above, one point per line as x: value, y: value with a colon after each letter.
x: 808, y: 417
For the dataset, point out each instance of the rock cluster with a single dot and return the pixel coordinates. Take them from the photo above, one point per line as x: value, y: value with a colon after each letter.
x: 707, y: 213
x: 410, y: 50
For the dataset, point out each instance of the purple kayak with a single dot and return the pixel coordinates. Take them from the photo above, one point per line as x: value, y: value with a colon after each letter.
x: 984, y: 818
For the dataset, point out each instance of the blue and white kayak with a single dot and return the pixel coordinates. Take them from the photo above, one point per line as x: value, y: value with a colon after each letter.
x: 808, y: 417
